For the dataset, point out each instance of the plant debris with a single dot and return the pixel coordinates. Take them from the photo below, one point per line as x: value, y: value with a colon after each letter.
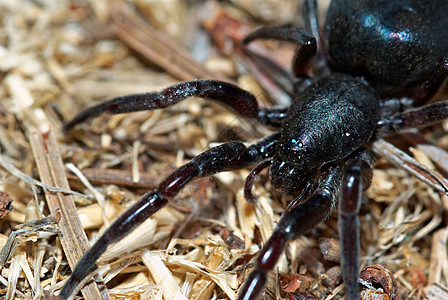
x: 59, y: 57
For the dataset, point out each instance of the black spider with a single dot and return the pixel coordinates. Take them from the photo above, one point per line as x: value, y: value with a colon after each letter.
x: 374, y: 50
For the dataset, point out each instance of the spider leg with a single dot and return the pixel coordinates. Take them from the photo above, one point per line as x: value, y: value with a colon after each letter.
x: 249, y: 182
x: 435, y: 80
x: 238, y: 100
x: 295, y: 222
x: 226, y: 157
x: 305, y: 51
x: 357, y: 178
x: 272, y: 116
x: 411, y: 118
x: 311, y: 21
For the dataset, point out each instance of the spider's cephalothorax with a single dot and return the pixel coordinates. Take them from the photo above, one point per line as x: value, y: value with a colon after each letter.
x: 325, y: 123
x: 375, y: 49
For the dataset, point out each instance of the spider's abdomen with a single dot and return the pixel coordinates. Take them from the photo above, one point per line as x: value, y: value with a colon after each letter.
x: 393, y: 44
x: 328, y: 121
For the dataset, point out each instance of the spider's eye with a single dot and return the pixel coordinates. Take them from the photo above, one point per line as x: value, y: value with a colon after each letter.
x: 292, y: 151
x: 297, y: 143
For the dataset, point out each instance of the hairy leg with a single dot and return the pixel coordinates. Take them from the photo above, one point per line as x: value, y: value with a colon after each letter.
x: 236, y: 99
x: 305, y: 51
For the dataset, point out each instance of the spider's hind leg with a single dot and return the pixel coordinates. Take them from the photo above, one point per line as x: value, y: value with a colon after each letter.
x: 308, y: 41
x: 412, y: 118
x: 306, y: 48
x: 435, y: 80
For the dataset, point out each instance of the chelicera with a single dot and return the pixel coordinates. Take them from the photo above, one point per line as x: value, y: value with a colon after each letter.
x: 377, y: 64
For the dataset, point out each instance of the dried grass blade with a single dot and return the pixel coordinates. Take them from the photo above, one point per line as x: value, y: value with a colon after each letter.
x: 158, y: 48
x: 401, y: 160
x: 14, y: 272
x: 438, y: 256
x: 51, y: 171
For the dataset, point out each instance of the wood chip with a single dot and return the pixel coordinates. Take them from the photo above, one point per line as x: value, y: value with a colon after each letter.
x: 162, y: 276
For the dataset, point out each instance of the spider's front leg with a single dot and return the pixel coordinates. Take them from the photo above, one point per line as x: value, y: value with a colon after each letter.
x: 238, y: 100
x: 349, y: 231
x: 294, y: 223
x: 352, y: 180
x: 357, y: 179
x: 226, y: 157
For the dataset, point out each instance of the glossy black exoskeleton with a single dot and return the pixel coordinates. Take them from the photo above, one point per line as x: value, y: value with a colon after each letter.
x: 393, y: 44
x: 342, y: 101
x: 371, y: 51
